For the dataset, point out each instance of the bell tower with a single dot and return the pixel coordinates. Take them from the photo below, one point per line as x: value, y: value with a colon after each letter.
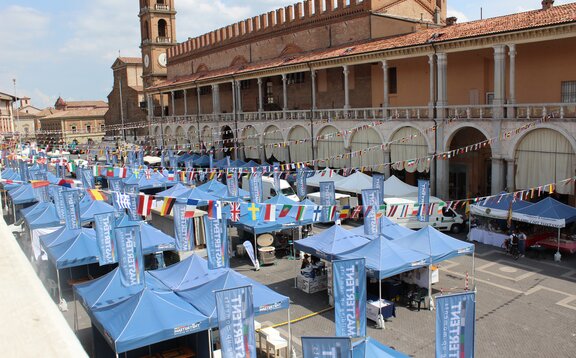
x: 158, y: 33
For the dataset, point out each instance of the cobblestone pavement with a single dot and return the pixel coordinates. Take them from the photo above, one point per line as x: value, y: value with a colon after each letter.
x: 525, y: 308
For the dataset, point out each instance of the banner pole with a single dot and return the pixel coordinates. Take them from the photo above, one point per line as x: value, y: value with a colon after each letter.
x: 474, y: 270
x: 289, y: 353
x: 210, y: 347
x: 381, y: 322
x: 256, y: 250
x: 59, y: 290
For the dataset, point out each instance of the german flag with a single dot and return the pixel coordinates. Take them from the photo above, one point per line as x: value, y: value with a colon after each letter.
x: 39, y: 183
x: 96, y: 194
x: 167, y: 206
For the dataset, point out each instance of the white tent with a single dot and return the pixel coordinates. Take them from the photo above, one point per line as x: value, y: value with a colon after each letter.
x: 355, y: 183
x: 324, y: 175
x: 396, y: 188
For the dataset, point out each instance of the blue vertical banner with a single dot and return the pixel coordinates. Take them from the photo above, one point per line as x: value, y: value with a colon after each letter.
x: 327, y: 199
x: 87, y: 178
x: 276, y: 176
x: 211, y: 160
x: 350, y: 297
x: 58, y: 168
x: 133, y: 190
x: 370, y: 204
x: 423, y: 200
x: 59, y: 201
x: 24, y: 172
x: 115, y: 184
x: 162, y: 159
x: 378, y: 183
x: 104, y: 225
x: 455, y: 325
x: 141, y: 156
x: 232, y: 183
x: 301, y: 183
x: 130, y: 259
x: 216, y: 243
x: 183, y: 228
x: 72, y: 209
x: 255, y: 184
x: 326, y: 347
x: 131, y: 157
x: 235, y: 310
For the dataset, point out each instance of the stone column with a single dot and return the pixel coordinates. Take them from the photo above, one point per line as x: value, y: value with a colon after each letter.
x: 172, y: 101
x: 499, y: 82
x: 238, y: 96
x: 198, y: 100
x: 234, y: 96
x: 346, y: 72
x: 386, y: 88
x: 442, y: 166
x: 387, y: 161
x: 185, y: 102
x: 510, y: 174
x: 313, y: 79
x: 260, y: 96
x: 284, y: 92
x: 432, y: 70
x: 442, y: 82
x: 511, y: 113
x: 433, y: 176
x: 216, y: 99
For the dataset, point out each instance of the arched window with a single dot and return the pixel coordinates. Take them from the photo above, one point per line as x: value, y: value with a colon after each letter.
x: 162, y: 28
x: 160, y: 2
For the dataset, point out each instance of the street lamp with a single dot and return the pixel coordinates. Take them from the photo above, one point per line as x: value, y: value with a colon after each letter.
x: 17, y: 114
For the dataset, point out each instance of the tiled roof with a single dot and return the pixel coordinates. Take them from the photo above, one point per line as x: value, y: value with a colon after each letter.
x: 77, y: 113
x: 77, y: 104
x: 131, y: 60
x: 45, y: 112
x: 515, y: 22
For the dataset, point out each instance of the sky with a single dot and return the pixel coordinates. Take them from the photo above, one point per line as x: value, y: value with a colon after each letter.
x: 66, y: 47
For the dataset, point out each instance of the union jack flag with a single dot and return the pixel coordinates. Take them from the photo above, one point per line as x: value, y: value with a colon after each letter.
x: 235, y: 211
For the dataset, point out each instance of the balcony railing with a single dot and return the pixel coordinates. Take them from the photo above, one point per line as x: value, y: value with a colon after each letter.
x: 416, y: 113
x: 162, y: 7
x: 163, y: 40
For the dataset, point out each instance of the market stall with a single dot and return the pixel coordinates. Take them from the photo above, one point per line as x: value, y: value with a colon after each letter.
x: 550, y: 213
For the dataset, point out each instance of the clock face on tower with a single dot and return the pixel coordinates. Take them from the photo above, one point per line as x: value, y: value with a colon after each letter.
x: 146, y: 60
x: 162, y: 59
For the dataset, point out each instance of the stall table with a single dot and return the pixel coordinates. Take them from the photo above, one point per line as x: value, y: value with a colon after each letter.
x: 568, y: 246
x: 488, y: 237
x: 386, y: 308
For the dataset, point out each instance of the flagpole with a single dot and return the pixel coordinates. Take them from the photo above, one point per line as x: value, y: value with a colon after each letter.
x: 289, y: 332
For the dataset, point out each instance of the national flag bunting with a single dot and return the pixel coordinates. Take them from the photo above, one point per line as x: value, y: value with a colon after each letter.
x: 301, y: 212
x: 317, y: 213
x: 235, y: 211
x: 122, y: 200
x: 191, y: 205
x: 332, y: 213
x: 356, y: 212
x: 345, y: 212
x: 270, y: 212
x: 285, y: 210
x: 39, y: 183
x: 254, y: 209
x: 145, y: 204
x: 167, y: 206
x: 96, y: 194
x: 68, y: 183
x: 214, y: 209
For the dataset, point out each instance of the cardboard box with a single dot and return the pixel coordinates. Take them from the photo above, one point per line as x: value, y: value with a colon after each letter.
x: 311, y: 285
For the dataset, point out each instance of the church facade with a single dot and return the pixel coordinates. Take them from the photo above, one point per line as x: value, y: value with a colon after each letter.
x: 381, y: 85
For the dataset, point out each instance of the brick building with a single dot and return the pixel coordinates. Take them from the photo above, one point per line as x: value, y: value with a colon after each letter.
x: 6, y: 115
x: 290, y: 83
x: 73, y: 122
x: 125, y: 102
